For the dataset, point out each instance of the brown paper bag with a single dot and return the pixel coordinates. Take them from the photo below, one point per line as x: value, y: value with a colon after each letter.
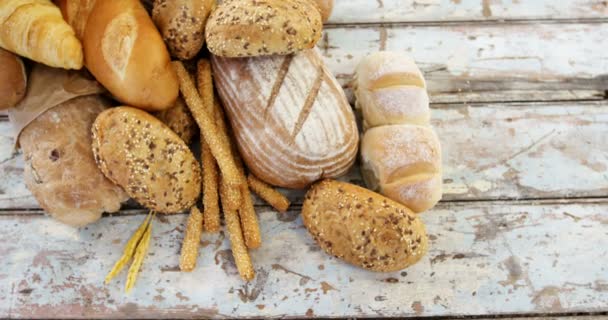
x: 49, y: 87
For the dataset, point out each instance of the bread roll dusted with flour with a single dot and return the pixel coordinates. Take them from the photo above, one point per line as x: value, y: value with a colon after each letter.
x: 124, y: 51
x: 400, y: 152
x: 291, y: 120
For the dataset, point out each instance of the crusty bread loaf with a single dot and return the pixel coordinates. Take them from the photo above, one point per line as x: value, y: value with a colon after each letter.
x: 60, y: 170
x: 247, y: 28
x: 125, y: 52
x: 363, y: 227
x: 179, y: 119
x: 13, y: 79
x: 400, y: 153
x: 292, y: 122
x: 76, y: 13
x: 325, y: 7
x: 182, y: 25
x: 147, y: 159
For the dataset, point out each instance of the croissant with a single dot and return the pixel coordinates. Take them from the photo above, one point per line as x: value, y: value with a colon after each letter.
x: 36, y: 30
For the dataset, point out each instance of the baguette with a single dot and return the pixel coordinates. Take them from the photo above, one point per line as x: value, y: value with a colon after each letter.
x: 400, y: 153
x: 292, y: 122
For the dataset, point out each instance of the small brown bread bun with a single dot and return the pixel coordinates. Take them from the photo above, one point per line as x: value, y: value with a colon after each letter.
x: 60, y: 170
x: 325, y: 7
x: 126, y: 54
x: 13, y: 79
x: 363, y: 227
x: 182, y: 25
x: 147, y: 159
x: 247, y: 28
x: 180, y: 120
x: 403, y: 162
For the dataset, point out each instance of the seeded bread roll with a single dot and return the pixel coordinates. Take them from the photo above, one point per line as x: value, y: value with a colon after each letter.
x: 60, y: 170
x: 146, y: 158
x: 182, y: 25
x: 325, y: 7
x: 363, y: 227
x: 13, y: 80
x: 180, y: 120
x: 400, y: 152
x: 247, y: 28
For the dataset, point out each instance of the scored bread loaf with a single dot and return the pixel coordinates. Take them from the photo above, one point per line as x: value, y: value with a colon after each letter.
x: 363, y: 227
x: 400, y: 153
x: 34, y: 29
x: 247, y: 28
x: 292, y: 122
x: 124, y: 51
x: 13, y: 79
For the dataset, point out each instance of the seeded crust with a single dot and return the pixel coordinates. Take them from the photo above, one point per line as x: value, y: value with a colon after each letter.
x: 182, y: 25
x: 247, y: 28
x: 363, y: 227
x: 325, y: 7
x: 154, y: 166
x: 180, y: 120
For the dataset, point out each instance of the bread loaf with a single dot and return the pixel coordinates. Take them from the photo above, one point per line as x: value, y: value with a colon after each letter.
x: 179, y: 119
x: 34, y: 29
x: 363, y: 227
x: 182, y: 25
x: 147, y: 159
x: 246, y: 28
x: 125, y: 52
x: 400, y: 153
x: 292, y: 122
x: 13, y: 79
x: 60, y: 170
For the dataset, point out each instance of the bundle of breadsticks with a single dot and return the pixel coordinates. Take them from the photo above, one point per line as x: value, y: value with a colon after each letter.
x: 230, y: 186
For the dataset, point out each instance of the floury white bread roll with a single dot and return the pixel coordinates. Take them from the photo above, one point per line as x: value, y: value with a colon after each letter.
x: 400, y: 152
x: 292, y: 122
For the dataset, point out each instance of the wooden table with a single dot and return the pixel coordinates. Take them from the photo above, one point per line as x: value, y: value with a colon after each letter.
x: 519, y: 92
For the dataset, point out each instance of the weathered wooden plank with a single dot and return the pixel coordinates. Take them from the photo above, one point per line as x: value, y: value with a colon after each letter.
x: 482, y: 57
x: 484, y: 259
x: 494, y: 151
x: 368, y: 11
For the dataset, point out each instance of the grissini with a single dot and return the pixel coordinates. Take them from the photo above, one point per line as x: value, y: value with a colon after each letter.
x: 125, y: 52
x: 247, y: 28
x: 400, y: 152
x: 34, y: 29
x: 292, y: 122
x: 362, y: 227
x: 13, y: 79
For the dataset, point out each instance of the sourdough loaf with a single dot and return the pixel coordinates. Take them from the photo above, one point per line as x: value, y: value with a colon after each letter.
x: 291, y: 120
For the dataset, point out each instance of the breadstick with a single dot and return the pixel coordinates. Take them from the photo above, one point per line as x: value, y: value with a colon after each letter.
x: 129, y: 249
x: 239, y: 250
x: 192, y: 240
x: 138, y: 259
x: 204, y: 119
x: 210, y: 170
x: 268, y: 193
x: 249, y: 219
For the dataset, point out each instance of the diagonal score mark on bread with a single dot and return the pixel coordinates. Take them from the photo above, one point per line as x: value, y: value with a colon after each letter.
x: 118, y: 42
x: 308, y: 103
x: 278, y: 83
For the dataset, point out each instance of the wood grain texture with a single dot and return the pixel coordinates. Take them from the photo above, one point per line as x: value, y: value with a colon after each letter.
x: 369, y: 11
x: 464, y: 58
x: 494, y: 151
x: 484, y: 258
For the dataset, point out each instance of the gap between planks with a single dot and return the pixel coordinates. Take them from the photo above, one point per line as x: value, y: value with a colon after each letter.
x: 488, y: 22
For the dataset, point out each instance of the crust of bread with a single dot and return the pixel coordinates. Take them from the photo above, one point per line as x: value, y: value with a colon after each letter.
x: 13, y: 79
x: 292, y: 122
x: 362, y: 227
x: 145, y: 157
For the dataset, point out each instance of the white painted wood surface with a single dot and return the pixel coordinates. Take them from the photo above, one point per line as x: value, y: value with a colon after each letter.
x: 547, y: 150
x: 484, y: 258
x: 373, y: 11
